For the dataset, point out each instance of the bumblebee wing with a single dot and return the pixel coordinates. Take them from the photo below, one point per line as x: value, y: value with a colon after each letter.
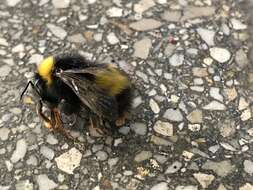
x: 89, y: 93
x: 90, y: 70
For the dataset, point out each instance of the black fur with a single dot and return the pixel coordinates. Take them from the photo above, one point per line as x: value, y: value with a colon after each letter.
x: 124, y: 99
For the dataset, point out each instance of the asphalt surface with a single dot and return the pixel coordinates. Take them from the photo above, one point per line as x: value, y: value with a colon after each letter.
x: 191, y: 125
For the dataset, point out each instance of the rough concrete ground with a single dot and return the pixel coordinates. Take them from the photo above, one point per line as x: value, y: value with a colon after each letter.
x: 192, y: 120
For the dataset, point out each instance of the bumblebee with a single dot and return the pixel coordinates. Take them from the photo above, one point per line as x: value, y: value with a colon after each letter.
x: 69, y: 83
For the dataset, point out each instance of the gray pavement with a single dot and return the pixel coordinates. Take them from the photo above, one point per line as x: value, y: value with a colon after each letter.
x: 191, y: 125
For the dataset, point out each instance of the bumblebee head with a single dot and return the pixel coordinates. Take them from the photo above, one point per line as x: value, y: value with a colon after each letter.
x: 45, y: 69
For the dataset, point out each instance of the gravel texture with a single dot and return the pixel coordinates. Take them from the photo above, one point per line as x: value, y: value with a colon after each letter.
x: 191, y: 126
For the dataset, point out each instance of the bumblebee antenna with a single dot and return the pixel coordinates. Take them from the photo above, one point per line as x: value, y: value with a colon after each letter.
x: 27, y: 85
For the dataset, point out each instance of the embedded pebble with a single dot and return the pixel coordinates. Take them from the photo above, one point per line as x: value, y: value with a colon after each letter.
x: 142, y: 75
x: 9, y: 165
x: 164, y: 128
x: 188, y: 187
x: 237, y: 24
x: 195, y: 116
x: 197, y: 88
x: 227, y: 129
x: 117, y: 141
x: 139, y: 128
x: 32, y: 160
x: 20, y: 151
x: 98, y: 37
x: 142, y: 48
x: 18, y: 48
x: 246, y: 186
x: 174, y: 167
x: 208, y: 61
x: 243, y: 104
x: 241, y: 58
x: 112, y: 161
x: 171, y: 16
x: 112, y: 38
x: 4, y: 133
x: 187, y: 155
x: 57, y: 31
x: 47, y: 152
x: 2, y: 151
x: 160, y: 158
x: 61, y: 4
x: 159, y: 141
x: 204, y: 179
x: 176, y: 60
x: 230, y: 93
x: 214, y: 105
x: 143, y: 5
x: 194, y: 127
x: 92, y: 1
x: 173, y: 115
x: 227, y: 146
x: 12, y: 3
x: 214, y: 148
x: 222, y: 168
x: 114, y: 12
x: 154, y: 106
x: 128, y: 173
x: 76, y: 38
x: 142, y: 156
x: 101, y: 155
x: 160, y: 186
x: 69, y: 160
x: 24, y: 185
x: 16, y: 111
x: 145, y: 24
x: 3, y: 42
x: 199, y: 71
x: 191, y: 12
x: 45, y: 183
x: 51, y: 139
x: 169, y: 50
x: 220, y: 54
x: 207, y: 35
x: 248, y: 166
x: 161, y: 1
x: 137, y: 101
x: 36, y: 58
x: 215, y: 93
x: 246, y: 115
x: 124, y: 130
x: 5, y: 70
x: 7, y: 187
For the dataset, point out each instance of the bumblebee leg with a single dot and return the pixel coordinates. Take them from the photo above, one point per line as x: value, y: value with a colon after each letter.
x: 122, y: 119
x: 95, y: 124
x: 58, y: 126
x: 74, y: 121
x: 47, y: 121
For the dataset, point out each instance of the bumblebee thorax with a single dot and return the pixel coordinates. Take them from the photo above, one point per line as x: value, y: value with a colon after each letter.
x: 45, y: 69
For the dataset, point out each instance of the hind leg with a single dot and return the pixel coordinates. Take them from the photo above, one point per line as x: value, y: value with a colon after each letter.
x: 57, y: 123
x: 96, y: 123
x: 124, y: 100
x: 47, y: 121
x: 122, y: 119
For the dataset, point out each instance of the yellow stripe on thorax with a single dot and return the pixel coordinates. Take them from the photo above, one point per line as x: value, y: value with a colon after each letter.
x: 112, y: 80
x: 45, y: 69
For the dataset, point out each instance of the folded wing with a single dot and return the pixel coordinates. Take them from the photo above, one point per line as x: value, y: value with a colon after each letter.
x: 82, y: 82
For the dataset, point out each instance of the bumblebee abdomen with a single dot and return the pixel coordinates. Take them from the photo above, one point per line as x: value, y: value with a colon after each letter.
x: 112, y: 80
x: 124, y: 99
